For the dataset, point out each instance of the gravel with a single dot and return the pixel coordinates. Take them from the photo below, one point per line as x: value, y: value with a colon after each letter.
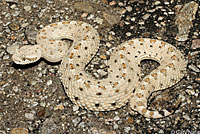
x: 32, y: 99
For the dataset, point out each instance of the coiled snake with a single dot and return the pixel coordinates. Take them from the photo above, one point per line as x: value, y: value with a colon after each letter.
x: 122, y: 84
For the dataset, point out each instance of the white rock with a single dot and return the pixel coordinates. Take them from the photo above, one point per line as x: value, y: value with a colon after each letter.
x: 24, y: 25
x: 98, y: 20
x: 27, y: 8
x: 194, y: 68
x: 129, y: 8
x: 186, y: 117
x: 127, y: 129
x: 128, y: 34
x: 108, y: 44
x: 120, y: 4
x: 190, y: 91
x: 133, y: 19
x: 146, y: 16
x: 43, y: 104
x: 157, y: 2
x: 49, y: 82
x: 15, y: 88
x: 116, y: 118
x: 115, y: 126
x: 161, y: 132
x: 75, y: 108
x: 82, y: 125
x: 33, y: 82
x: 76, y: 121
x: 13, y: 6
x: 91, y: 16
x: 5, y: 57
x: 29, y: 116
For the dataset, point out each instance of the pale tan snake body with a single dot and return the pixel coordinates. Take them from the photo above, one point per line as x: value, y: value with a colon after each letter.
x: 122, y: 84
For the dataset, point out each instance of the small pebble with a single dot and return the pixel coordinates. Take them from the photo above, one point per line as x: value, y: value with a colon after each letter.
x: 14, y: 26
x: 120, y: 4
x: 76, y: 121
x: 194, y: 68
x: 12, y: 1
x: 128, y: 34
x: 127, y: 129
x: 82, y: 125
x: 196, y: 44
x: 133, y: 19
x: 75, y: 108
x: 49, y: 82
x: 43, y: 104
x: 161, y: 132
x: 33, y: 82
x: 130, y: 120
x: 116, y: 118
x: 112, y: 3
x: 52, y: 70
x: 129, y: 8
x: 84, y: 15
x: 29, y: 116
x: 91, y: 16
x: 115, y: 126
x: 108, y: 44
x: 41, y: 113
x: 15, y: 88
x: 190, y: 91
x: 5, y: 57
x: 146, y: 16
x: 194, y: 53
x: 24, y: 25
x: 59, y: 107
x: 13, y: 6
x: 27, y: 8
x: 186, y: 117
x: 98, y: 20
x: 157, y: 2
x: 2, y: 92
x: 166, y: 3
x: 141, y: 22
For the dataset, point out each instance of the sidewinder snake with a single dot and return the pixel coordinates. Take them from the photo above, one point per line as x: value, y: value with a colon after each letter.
x: 122, y: 84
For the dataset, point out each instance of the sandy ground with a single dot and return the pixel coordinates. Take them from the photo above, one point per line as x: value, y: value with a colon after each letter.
x: 32, y: 99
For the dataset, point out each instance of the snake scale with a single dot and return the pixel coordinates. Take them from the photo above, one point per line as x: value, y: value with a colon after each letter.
x: 123, y: 83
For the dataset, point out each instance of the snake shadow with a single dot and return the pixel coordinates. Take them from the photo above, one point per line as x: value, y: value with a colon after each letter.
x: 26, y: 66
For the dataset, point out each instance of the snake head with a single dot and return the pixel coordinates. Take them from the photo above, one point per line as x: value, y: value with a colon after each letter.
x: 27, y: 54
